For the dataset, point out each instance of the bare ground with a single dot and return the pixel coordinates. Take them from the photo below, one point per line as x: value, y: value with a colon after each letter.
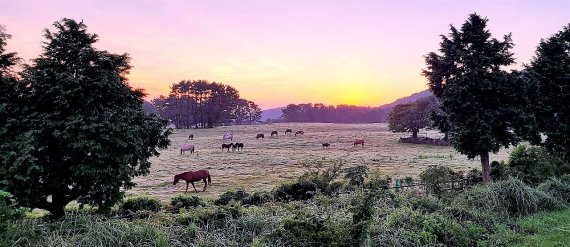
x: 263, y: 163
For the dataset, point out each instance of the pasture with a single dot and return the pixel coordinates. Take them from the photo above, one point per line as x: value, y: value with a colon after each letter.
x: 266, y: 162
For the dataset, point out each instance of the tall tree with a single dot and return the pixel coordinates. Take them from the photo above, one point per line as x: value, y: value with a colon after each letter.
x: 77, y: 130
x: 468, y: 78
x: 548, y: 78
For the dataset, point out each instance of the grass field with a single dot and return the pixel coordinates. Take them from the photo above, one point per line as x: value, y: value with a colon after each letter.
x: 266, y: 162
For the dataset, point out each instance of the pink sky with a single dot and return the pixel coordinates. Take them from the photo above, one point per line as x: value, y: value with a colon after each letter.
x: 279, y: 52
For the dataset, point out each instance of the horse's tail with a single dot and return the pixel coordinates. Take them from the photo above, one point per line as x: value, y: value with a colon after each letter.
x: 209, y: 180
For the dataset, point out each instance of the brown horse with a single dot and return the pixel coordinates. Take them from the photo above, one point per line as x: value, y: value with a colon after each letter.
x: 326, y: 145
x: 359, y: 141
x: 191, y: 137
x: 191, y: 177
x: 288, y: 131
x: 274, y: 133
x: 227, y: 146
x: 299, y: 133
x: 262, y: 136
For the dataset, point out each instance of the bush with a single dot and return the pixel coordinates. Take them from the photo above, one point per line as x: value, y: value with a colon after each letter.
x: 231, y: 195
x: 474, y: 176
x: 508, y: 197
x: 534, y: 165
x: 437, y: 178
x: 9, y: 212
x: 211, y: 215
x: 499, y: 170
x: 184, y: 201
x: 356, y: 175
x: 300, y: 190
x: 257, y: 198
x: 140, y: 205
x: 556, y: 188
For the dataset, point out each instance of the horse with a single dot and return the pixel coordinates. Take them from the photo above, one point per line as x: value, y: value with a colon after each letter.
x: 359, y: 141
x: 260, y: 136
x: 228, y: 146
x: 228, y: 136
x: 288, y: 131
x: 187, y: 147
x: 273, y: 133
x: 326, y: 145
x: 237, y: 146
x: 191, y: 177
x: 299, y: 133
x: 191, y: 137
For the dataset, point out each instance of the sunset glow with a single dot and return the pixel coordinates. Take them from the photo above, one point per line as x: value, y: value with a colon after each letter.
x: 278, y: 52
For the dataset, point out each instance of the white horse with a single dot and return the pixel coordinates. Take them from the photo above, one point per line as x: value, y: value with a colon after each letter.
x: 228, y: 136
x: 187, y: 147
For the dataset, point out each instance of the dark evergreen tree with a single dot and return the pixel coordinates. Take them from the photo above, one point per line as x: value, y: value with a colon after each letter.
x: 75, y: 129
x: 412, y: 117
x: 475, y: 92
x: 548, y: 93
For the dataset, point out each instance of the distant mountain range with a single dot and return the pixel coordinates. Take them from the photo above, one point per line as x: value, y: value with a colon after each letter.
x: 276, y: 113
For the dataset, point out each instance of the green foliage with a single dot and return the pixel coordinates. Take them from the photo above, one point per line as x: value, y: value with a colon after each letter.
x: 257, y: 198
x: 9, y: 212
x: 73, y: 128
x: 134, y: 205
x: 508, y: 197
x: 356, y: 175
x: 309, y: 183
x: 499, y: 170
x: 534, y: 165
x: 476, y: 93
x: 436, y: 179
x: 556, y: 188
x: 548, y: 91
x: 411, y: 117
x: 231, y: 195
x: 185, y: 201
x: 212, y: 215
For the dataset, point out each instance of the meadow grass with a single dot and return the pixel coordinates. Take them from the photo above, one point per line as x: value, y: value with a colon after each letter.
x: 267, y: 162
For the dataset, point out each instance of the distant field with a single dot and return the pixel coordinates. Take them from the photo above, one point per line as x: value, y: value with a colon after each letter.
x: 266, y: 162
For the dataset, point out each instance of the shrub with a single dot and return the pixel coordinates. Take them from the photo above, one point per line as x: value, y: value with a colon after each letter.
x: 356, y: 175
x: 378, y: 180
x: 300, y: 190
x: 510, y: 197
x: 9, y: 212
x: 556, y: 188
x: 184, y: 201
x: 474, y: 176
x: 436, y: 179
x: 534, y: 165
x: 257, y: 198
x: 211, y: 215
x: 499, y: 170
x: 231, y: 195
x: 140, y: 204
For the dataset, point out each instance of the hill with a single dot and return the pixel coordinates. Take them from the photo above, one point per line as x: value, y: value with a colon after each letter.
x: 274, y: 113
x: 407, y: 99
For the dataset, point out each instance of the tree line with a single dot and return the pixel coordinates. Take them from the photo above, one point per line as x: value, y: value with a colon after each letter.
x: 320, y: 113
x: 204, y: 104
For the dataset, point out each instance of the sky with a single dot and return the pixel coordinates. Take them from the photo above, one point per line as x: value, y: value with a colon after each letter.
x: 364, y: 53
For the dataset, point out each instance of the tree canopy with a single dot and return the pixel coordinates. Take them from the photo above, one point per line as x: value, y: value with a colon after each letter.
x: 74, y: 128
x: 205, y: 104
x: 468, y: 77
x: 412, y: 117
x: 548, y: 92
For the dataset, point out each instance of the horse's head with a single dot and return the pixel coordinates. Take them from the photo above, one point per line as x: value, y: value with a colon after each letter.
x: 176, y: 178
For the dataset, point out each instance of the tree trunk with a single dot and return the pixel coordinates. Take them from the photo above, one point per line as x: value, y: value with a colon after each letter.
x: 57, y: 207
x: 485, y: 167
x: 415, y: 134
x: 446, y: 136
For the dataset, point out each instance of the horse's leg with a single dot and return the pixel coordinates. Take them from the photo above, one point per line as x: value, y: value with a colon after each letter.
x: 186, y: 188
x: 205, y: 184
x: 194, y: 187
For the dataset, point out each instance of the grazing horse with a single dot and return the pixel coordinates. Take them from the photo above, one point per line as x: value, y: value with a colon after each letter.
x: 359, y: 141
x: 273, y: 133
x: 191, y: 137
x: 299, y: 133
x: 228, y: 136
x: 227, y: 146
x: 288, y: 131
x: 187, y: 147
x: 326, y: 145
x: 191, y: 177
x: 260, y: 136
x: 237, y: 146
